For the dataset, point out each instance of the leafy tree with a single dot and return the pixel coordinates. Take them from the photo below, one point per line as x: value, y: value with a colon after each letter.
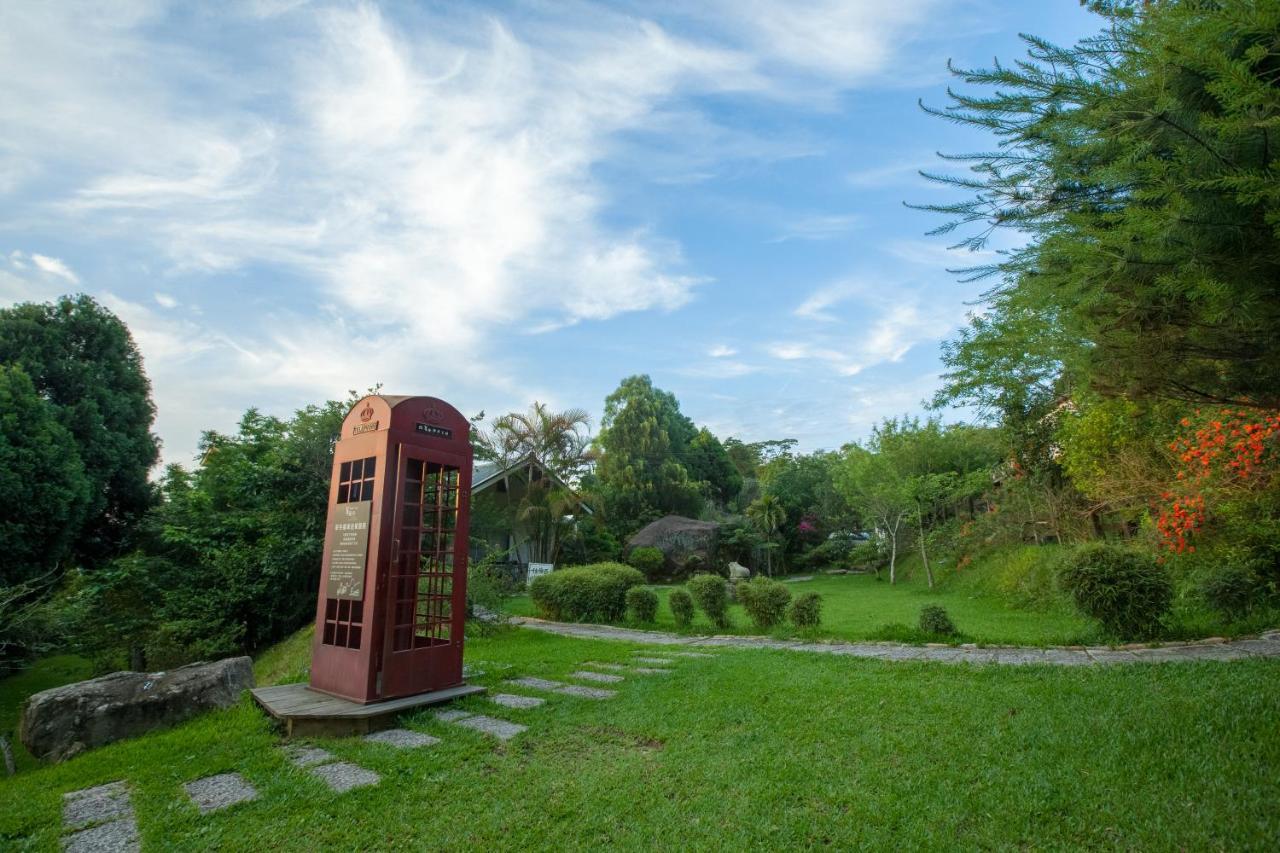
x: 639, y: 475
x: 81, y: 359
x: 877, y: 487
x: 46, y: 493
x: 767, y: 516
x: 558, y: 439
x: 707, y: 461
x: 1140, y: 166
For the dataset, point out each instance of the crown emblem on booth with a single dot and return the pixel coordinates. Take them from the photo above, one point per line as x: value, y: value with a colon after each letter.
x: 366, y: 413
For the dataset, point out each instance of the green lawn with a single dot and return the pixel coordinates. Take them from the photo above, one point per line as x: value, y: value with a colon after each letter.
x: 858, y: 607
x: 752, y: 749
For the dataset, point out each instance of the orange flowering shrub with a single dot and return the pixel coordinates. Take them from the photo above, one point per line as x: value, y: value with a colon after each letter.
x: 1232, y: 449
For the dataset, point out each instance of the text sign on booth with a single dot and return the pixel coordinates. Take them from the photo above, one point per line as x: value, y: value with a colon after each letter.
x: 350, y: 547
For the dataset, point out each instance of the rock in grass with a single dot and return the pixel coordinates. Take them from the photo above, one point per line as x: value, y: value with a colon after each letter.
x: 65, y: 721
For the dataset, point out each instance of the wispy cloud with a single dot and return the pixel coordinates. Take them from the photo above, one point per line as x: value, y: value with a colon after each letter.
x: 825, y: 227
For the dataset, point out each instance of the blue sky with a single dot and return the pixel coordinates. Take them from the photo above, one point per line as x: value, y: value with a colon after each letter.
x: 500, y: 203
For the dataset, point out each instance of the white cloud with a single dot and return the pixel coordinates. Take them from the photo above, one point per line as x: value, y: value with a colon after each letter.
x: 722, y: 351
x: 823, y: 227
x: 164, y: 300
x: 55, y: 266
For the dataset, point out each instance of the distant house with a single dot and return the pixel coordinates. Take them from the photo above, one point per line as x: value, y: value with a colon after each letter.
x: 510, y: 515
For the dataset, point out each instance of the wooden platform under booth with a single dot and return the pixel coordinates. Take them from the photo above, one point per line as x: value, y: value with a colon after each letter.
x: 310, y: 713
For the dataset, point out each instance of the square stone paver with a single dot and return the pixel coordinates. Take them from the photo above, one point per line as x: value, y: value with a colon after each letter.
x: 343, y: 776
x: 501, y: 729
x: 402, y: 738
x: 95, y: 805
x: 537, y: 683
x: 452, y: 715
x: 599, y: 677
x: 512, y: 700
x: 692, y: 655
x: 306, y: 756
x: 119, y: 836
x: 587, y: 692
x: 655, y: 661
x: 218, y: 792
x: 617, y: 667
x: 650, y: 670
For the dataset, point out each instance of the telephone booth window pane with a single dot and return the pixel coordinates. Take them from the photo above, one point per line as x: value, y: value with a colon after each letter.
x: 345, y: 475
x: 357, y: 469
x: 355, y: 483
x: 344, y: 492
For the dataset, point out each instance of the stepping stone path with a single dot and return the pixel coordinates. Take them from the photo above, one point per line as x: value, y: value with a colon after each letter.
x: 451, y: 715
x: 402, y: 738
x: 213, y: 793
x: 598, y: 665
x: 692, y: 655
x: 107, y: 813
x: 598, y: 677
x: 343, y: 776
x: 617, y: 667
x: 501, y: 729
x: 513, y: 700
x: 649, y: 670
x: 562, y: 688
x: 339, y: 776
x: 655, y: 661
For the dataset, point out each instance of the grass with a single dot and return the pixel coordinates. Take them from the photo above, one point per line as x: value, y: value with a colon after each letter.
x: 44, y: 674
x: 859, y: 607
x: 754, y: 749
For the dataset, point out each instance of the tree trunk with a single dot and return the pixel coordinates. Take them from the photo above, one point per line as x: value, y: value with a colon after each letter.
x: 928, y: 573
x: 137, y: 658
x: 893, y: 555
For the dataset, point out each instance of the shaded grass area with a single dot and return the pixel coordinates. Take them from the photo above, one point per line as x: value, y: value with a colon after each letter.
x: 754, y: 748
x: 44, y: 674
x: 859, y: 607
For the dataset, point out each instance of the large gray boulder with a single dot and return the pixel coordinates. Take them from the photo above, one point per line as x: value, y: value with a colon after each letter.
x: 687, y: 544
x: 65, y: 721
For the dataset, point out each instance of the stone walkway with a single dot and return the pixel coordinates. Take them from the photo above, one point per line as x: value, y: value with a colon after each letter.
x: 1265, y: 646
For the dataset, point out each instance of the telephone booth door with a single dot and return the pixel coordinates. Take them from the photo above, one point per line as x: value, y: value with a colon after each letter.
x: 426, y: 589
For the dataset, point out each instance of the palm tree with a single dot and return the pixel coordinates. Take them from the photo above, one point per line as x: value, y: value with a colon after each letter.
x: 767, y: 516
x: 557, y: 439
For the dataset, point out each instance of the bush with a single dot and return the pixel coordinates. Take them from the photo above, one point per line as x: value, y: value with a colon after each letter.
x: 681, y: 604
x: 764, y: 600
x: 935, y: 622
x: 1124, y: 590
x: 806, y: 611
x: 595, y: 593
x: 711, y: 594
x: 1233, y: 591
x: 829, y: 554
x: 647, y: 560
x: 642, y: 604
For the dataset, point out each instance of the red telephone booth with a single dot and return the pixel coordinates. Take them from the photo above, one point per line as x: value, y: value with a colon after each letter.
x: 389, y: 618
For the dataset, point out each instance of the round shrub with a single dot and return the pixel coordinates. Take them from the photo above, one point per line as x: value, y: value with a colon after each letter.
x: 1124, y: 590
x: 806, y: 611
x: 765, y: 601
x: 935, y: 621
x: 595, y: 593
x: 1233, y: 591
x: 642, y: 604
x: 647, y: 560
x: 681, y: 604
x: 710, y: 592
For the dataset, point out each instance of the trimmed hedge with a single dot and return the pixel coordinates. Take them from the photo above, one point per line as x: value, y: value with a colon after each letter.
x: 648, y: 560
x: 681, y: 604
x: 712, y: 594
x: 1125, y: 590
x: 806, y: 611
x: 595, y: 593
x: 642, y: 604
x: 935, y: 621
x: 765, y: 601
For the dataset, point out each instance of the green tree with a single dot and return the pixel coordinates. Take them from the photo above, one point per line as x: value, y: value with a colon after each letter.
x: 1140, y: 166
x: 82, y: 361
x: 767, y: 516
x: 639, y: 474
x: 707, y: 461
x: 558, y: 439
x: 46, y: 493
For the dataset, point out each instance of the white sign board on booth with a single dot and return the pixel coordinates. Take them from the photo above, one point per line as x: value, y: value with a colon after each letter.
x: 539, y: 569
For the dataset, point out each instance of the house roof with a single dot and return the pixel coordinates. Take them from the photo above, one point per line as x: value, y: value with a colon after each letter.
x: 488, y: 473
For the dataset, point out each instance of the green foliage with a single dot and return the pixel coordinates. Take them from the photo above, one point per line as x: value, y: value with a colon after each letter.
x: 935, y: 621
x: 595, y: 593
x: 806, y: 611
x: 43, y: 482
x: 590, y: 541
x: 712, y: 596
x: 681, y: 604
x: 487, y: 587
x: 1125, y: 590
x: 642, y: 604
x: 1234, y: 591
x: 765, y: 601
x: 1139, y: 167
x: 644, y: 438
x: 648, y: 560
x: 707, y: 461
x: 83, y: 363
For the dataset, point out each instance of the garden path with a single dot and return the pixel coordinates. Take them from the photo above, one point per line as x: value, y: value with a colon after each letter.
x: 1216, y: 648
